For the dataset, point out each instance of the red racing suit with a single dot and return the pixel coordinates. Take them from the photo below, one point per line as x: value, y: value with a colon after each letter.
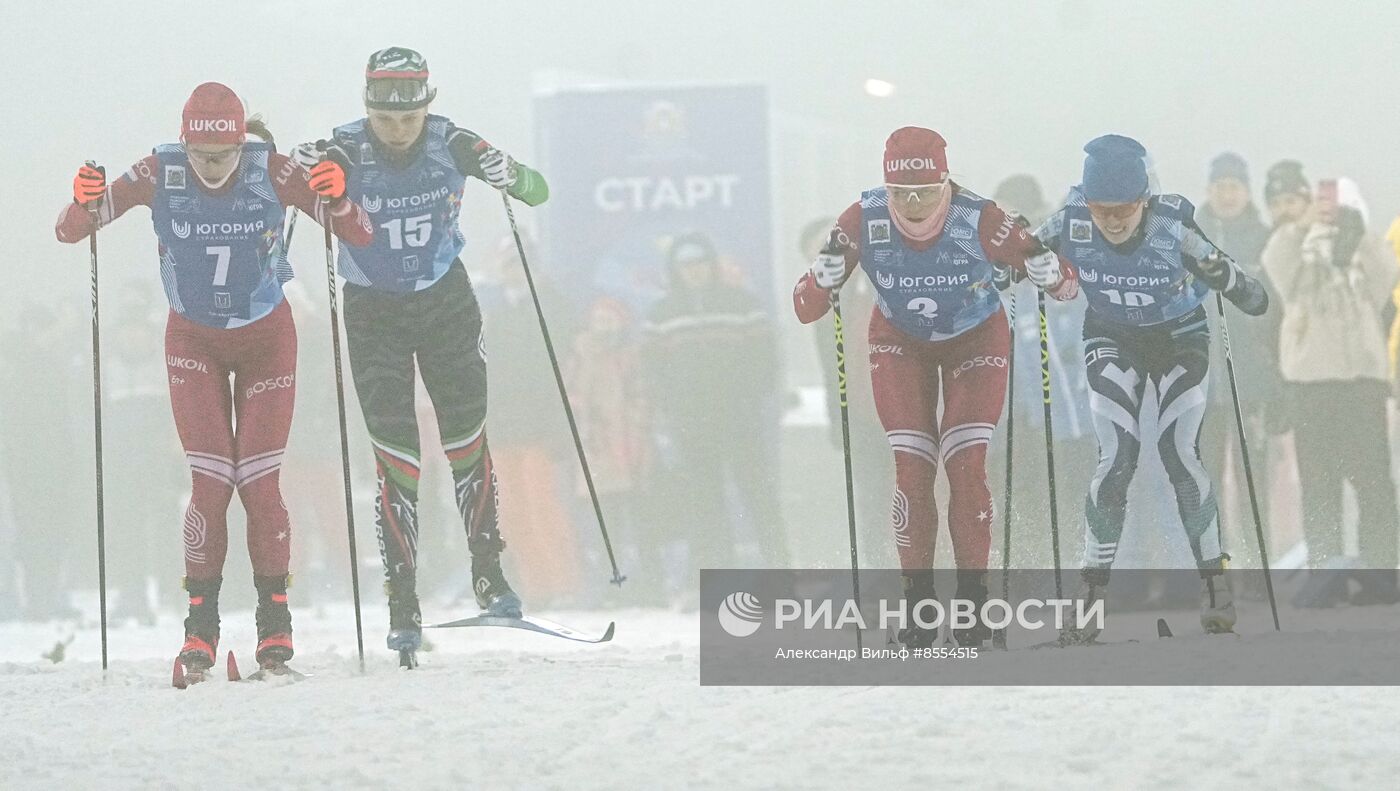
x: 221, y: 378
x: 909, y: 374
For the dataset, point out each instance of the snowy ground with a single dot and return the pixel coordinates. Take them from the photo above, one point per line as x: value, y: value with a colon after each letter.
x: 501, y: 709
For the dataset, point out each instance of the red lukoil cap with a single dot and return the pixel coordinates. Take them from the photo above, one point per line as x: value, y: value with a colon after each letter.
x: 213, y: 114
x: 915, y: 156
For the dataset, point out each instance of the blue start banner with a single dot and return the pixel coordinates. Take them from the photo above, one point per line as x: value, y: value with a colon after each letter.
x: 629, y: 168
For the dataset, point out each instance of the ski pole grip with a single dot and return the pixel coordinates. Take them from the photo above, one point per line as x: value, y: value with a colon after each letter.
x: 837, y: 243
x: 92, y: 208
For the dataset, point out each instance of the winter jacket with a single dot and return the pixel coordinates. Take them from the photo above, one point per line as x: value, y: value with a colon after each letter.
x: 1254, y: 340
x: 1331, y: 302
x: 1393, y: 236
x: 710, y: 356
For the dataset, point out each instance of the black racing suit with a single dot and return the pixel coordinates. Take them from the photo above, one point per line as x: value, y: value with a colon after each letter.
x: 440, y: 329
x: 1175, y: 356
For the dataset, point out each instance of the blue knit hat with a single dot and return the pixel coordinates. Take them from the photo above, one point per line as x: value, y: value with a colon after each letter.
x: 1114, y: 171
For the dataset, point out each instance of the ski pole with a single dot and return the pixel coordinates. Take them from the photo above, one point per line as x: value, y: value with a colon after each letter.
x: 291, y: 228
x: 617, y: 577
x: 1244, y: 455
x: 97, y: 429
x: 344, y: 434
x: 999, y: 635
x: 1049, y: 438
x: 846, y: 448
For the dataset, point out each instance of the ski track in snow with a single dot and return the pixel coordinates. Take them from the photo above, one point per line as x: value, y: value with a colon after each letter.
x: 503, y: 709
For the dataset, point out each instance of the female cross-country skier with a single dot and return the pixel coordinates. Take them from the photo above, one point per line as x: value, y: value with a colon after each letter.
x: 217, y: 202
x: 1146, y: 270
x: 407, y: 300
x: 930, y: 248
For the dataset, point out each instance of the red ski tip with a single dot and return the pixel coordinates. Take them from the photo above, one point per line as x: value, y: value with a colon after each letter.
x: 233, y: 674
x: 177, y: 675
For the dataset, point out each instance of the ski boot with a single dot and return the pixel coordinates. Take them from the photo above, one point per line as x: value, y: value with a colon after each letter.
x: 405, y: 619
x: 274, y: 625
x: 1093, y: 587
x: 201, y: 631
x: 1217, y: 599
x: 918, y: 586
x: 493, y: 593
x: 972, y: 586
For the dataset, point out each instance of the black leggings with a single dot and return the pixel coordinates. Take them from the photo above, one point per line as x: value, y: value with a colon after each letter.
x: 1121, y: 360
x: 440, y: 328
x: 1339, y: 431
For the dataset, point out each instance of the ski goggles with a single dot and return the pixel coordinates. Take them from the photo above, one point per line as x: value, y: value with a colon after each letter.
x: 1114, y: 212
x: 922, y: 193
x: 398, y: 93
x: 213, y: 158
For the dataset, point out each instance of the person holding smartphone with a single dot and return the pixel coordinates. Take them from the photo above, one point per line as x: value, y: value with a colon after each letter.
x: 1334, y: 283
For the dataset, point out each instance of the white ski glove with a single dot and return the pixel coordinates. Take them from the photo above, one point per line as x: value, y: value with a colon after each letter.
x: 829, y: 270
x: 306, y: 155
x: 309, y: 155
x: 1044, y: 270
x: 498, y: 168
x: 1218, y: 272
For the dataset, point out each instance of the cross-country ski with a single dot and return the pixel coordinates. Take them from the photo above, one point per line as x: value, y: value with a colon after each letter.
x: 530, y: 624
